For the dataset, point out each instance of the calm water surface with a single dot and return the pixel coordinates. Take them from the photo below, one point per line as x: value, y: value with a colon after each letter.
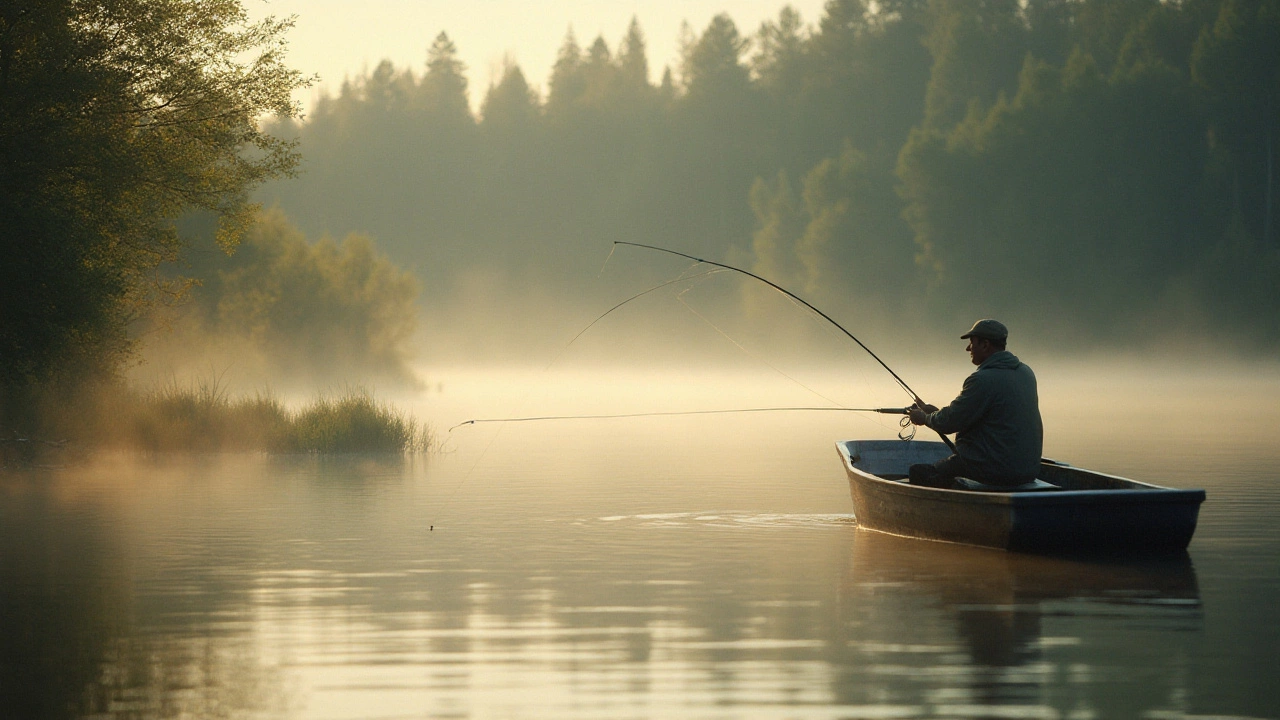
x: 665, y: 568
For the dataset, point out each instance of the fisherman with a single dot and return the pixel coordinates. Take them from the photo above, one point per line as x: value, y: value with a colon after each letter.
x: 996, y: 418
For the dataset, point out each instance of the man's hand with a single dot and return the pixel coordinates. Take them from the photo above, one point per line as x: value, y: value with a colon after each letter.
x: 919, y: 414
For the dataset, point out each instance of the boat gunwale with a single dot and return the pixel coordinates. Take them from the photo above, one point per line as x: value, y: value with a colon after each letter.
x: 1145, y: 494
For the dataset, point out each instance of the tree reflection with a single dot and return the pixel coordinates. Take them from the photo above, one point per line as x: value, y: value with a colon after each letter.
x: 61, y: 600
x: 232, y: 588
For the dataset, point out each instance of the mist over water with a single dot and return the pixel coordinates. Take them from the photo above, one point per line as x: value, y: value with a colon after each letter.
x: 704, y: 566
x: 1095, y: 174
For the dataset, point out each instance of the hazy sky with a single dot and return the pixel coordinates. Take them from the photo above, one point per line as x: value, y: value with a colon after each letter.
x: 338, y: 38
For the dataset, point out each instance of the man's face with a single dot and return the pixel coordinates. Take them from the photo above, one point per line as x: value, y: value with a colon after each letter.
x: 979, y: 350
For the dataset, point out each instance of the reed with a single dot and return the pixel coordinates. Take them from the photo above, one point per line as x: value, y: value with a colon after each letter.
x: 203, y: 417
x: 356, y: 422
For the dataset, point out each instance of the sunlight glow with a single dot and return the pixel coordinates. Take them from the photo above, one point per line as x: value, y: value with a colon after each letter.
x: 338, y: 39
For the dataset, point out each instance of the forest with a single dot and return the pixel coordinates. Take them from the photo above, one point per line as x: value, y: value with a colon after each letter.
x: 1086, y: 169
x: 1096, y: 173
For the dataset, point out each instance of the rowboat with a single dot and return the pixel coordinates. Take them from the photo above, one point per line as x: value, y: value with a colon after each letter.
x: 1066, y: 510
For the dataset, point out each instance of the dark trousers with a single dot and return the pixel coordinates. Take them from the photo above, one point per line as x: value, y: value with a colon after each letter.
x: 941, y: 474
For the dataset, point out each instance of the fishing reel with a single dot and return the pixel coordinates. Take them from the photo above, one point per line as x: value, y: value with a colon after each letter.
x: 906, y: 431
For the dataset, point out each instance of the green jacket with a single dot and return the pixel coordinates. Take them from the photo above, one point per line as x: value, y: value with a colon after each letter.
x: 996, y: 419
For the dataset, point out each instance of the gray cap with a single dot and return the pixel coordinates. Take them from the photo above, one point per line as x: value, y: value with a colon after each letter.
x: 987, y: 330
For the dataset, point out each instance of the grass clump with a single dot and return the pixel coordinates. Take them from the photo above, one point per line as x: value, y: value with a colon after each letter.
x: 355, y: 422
x: 203, y: 418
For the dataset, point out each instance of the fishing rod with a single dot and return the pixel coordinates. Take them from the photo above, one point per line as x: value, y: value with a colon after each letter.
x: 901, y: 383
x: 883, y: 411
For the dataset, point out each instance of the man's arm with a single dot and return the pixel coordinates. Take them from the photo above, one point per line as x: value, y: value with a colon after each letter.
x: 964, y: 411
x: 919, y: 414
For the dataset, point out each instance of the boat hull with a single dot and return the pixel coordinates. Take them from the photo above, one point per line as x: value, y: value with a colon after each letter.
x: 1082, y: 511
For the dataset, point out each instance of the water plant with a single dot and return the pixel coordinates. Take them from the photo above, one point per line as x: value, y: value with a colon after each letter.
x: 355, y: 421
x: 203, y: 417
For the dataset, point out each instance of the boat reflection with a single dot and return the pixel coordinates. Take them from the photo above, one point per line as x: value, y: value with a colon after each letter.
x: 1021, y: 623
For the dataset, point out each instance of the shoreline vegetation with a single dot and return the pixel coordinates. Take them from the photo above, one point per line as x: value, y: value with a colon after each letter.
x: 1092, y: 172
x: 1098, y: 174
x: 203, y: 417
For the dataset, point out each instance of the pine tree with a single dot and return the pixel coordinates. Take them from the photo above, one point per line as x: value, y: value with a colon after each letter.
x: 567, y: 82
x: 633, y: 65
x: 444, y: 88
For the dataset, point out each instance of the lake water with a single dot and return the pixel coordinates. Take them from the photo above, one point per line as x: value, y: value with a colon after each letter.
x: 686, y: 567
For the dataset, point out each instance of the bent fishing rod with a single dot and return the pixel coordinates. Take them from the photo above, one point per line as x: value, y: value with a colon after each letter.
x: 901, y: 383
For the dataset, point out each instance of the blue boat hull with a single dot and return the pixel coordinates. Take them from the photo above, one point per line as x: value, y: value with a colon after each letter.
x: 1073, y: 510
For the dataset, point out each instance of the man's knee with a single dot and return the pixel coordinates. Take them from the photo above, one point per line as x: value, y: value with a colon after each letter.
x: 941, y: 474
x: 928, y: 475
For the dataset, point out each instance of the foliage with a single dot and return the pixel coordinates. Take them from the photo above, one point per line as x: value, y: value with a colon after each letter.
x: 1237, y: 64
x: 1080, y: 167
x: 1091, y: 166
x: 712, y: 65
x: 294, y: 312
x: 1115, y: 214
x: 976, y: 48
x: 836, y: 234
x: 116, y: 116
x: 1093, y: 188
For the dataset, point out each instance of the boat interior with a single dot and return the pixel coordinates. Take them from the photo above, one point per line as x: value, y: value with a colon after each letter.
x: 890, y: 459
x: 965, y: 483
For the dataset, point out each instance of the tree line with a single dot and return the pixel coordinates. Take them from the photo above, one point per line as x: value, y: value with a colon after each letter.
x: 1080, y: 167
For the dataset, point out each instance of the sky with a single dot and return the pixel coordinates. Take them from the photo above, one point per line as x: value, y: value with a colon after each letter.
x: 341, y: 38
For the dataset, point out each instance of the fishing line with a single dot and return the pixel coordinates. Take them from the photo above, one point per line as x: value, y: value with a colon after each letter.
x: 750, y: 354
x: 907, y: 427
x: 682, y: 277
x: 902, y: 383
x: 606, y: 261
x: 680, y: 296
x: 837, y: 405
x: 827, y: 329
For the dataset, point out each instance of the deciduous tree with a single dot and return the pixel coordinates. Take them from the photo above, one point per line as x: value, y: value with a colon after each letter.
x: 116, y: 116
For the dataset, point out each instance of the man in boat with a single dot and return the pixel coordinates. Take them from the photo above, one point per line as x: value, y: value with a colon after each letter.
x: 996, y: 418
